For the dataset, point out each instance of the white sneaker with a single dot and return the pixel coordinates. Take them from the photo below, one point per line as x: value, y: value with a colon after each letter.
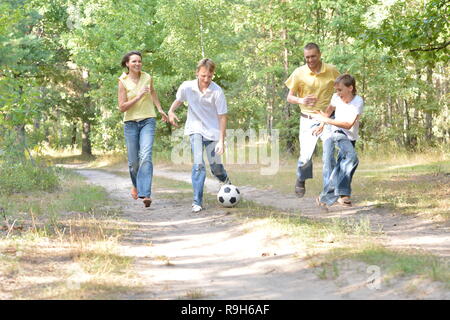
x: 196, y: 208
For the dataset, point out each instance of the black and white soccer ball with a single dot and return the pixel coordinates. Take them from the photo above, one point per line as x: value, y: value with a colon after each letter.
x: 228, y: 195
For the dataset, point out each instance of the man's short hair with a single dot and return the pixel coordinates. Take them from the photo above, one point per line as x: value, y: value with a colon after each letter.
x: 311, y: 46
x: 347, y: 80
x: 208, y: 64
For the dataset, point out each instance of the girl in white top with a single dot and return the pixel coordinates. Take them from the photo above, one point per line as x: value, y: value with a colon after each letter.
x: 348, y: 108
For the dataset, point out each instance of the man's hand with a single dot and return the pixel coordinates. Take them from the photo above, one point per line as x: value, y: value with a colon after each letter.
x: 173, y: 119
x: 219, y: 149
x: 310, y: 100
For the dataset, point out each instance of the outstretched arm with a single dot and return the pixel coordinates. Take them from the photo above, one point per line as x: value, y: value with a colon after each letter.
x: 341, y: 124
x: 220, y: 146
x: 172, y: 117
x: 327, y: 113
x: 157, y: 103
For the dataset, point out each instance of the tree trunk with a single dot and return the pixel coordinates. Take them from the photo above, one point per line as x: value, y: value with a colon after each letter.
x: 406, y: 124
x: 20, y: 140
x: 268, y: 93
x: 86, y: 148
x: 388, y: 119
x: 74, y: 135
x: 290, y: 141
x: 430, y: 100
x: 399, y: 139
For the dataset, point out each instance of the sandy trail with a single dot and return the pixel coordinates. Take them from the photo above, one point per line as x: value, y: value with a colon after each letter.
x: 179, y: 254
x: 397, y: 230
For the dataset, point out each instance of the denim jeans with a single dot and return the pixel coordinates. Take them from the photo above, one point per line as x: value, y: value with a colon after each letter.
x: 308, y: 143
x: 139, y: 138
x: 198, y: 144
x: 340, y: 180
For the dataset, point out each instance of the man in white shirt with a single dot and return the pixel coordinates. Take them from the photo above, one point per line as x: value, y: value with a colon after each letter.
x: 348, y: 108
x: 205, y: 125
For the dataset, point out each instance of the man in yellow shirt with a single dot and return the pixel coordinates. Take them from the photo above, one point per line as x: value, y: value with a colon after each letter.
x: 311, y: 86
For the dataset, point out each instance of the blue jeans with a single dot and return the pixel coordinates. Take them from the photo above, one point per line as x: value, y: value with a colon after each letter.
x: 198, y: 143
x: 328, y: 159
x: 308, y: 143
x: 139, y: 138
x: 340, y: 180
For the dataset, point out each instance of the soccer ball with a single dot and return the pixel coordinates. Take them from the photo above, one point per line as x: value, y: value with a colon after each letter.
x: 228, y: 195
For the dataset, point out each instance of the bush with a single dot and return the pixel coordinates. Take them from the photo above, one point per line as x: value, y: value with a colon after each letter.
x: 24, y: 176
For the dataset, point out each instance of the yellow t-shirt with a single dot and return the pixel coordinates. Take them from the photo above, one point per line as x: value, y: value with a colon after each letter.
x: 304, y: 82
x: 144, y: 108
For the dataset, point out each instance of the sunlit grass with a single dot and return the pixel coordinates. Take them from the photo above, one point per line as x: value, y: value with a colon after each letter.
x: 392, y: 263
x: 411, y: 183
x: 45, y: 234
x: 101, y: 258
x: 193, y: 294
x: 307, y: 232
x: 418, y: 185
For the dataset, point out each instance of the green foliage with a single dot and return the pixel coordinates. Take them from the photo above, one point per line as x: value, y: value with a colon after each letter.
x: 60, y: 60
x: 24, y: 176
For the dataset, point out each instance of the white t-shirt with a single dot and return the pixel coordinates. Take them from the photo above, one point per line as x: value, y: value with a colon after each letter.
x: 204, y: 108
x: 346, y: 112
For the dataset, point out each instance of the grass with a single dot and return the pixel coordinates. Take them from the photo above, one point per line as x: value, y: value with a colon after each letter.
x: 417, y: 184
x: 22, y: 176
x: 408, y: 188
x: 164, y: 259
x: 324, y: 243
x: 328, y: 271
x: 62, y: 244
x: 74, y: 195
x: 103, y: 261
x: 392, y: 263
x: 308, y: 232
x: 194, y: 294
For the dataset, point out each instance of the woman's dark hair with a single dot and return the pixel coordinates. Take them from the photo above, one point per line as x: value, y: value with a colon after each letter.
x: 347, y: 80
x: 126, y: 57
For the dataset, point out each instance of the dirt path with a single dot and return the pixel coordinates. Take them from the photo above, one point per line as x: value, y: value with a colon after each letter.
x: 179, y: 254
x: 400, y: 231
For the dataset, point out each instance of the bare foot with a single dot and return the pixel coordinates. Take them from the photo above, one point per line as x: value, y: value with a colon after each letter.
x: 147, y: 202
x: 134, y: 193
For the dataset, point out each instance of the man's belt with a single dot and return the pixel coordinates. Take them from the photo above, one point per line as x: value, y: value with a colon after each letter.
x: 306, y: 116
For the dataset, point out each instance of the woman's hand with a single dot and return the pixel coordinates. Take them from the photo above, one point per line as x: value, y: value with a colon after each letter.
x: 164, y: 116
x: 143, y: 91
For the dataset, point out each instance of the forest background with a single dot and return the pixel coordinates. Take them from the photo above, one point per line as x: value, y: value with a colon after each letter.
x: 60, y: 60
